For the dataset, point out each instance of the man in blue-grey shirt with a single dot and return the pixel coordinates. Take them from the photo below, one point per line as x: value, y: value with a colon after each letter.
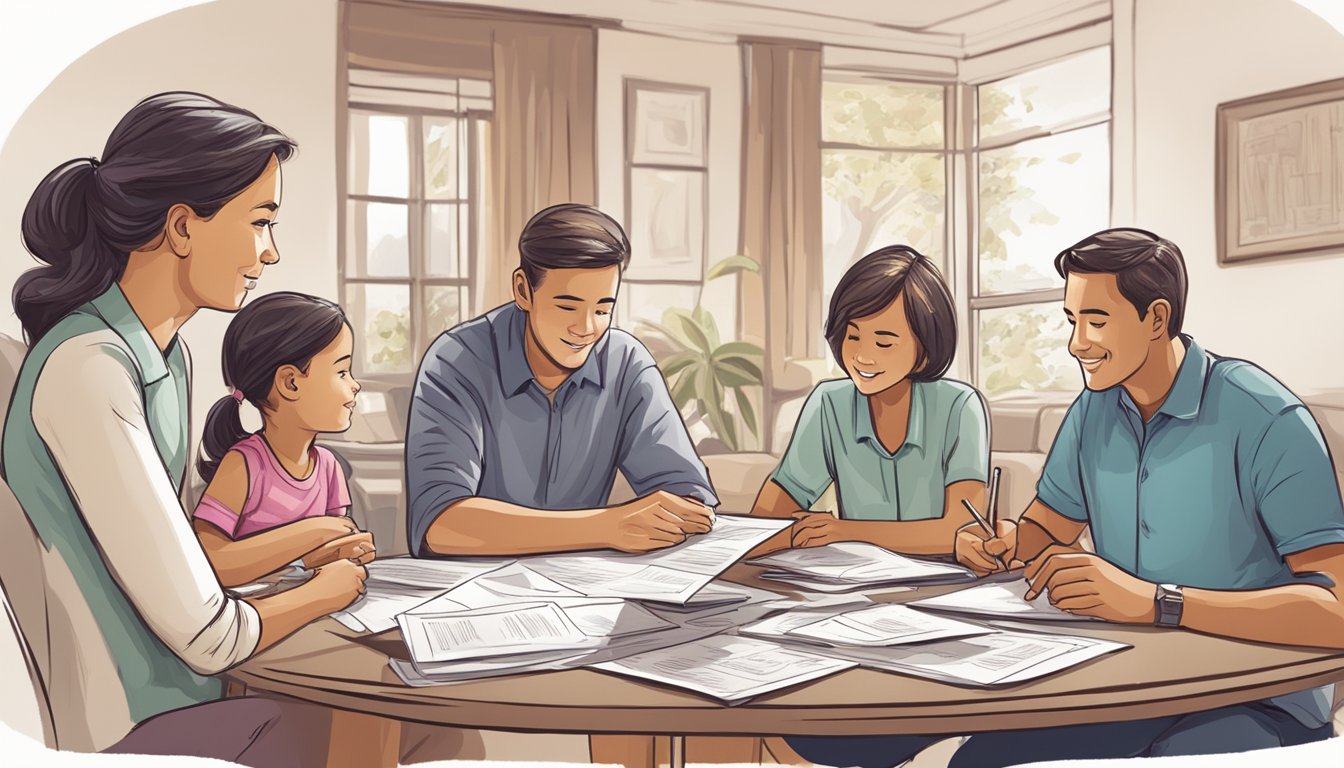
x: 1211, y: 497
x: 521, y: 418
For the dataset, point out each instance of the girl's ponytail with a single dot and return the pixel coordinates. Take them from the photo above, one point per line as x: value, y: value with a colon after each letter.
x: 223, y: 430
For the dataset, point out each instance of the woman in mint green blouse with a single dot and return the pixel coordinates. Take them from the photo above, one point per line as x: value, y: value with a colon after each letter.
x: 902, y: 445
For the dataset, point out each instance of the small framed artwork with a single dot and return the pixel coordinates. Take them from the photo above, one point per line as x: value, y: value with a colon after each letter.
x: 1279, y: 178
x: 666, y: 124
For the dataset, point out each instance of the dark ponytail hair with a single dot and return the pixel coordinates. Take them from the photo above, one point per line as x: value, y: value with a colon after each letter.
x: 276, y: 330
x: 85, y: 217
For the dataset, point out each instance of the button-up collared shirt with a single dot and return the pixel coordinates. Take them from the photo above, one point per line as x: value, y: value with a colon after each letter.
x: 946, y: 441
x: 481, y: 426
x: 1229, y: 476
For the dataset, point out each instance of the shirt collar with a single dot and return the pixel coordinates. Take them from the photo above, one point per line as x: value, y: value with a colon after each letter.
x: 111, y: 305
x: 514, y: 370
x: 914, y: 430
x: 1187, y: 392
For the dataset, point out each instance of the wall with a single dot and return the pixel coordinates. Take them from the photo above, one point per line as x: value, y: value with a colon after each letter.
x: 1191, y: 55
x: 717, y: 66
x: 275, y: 59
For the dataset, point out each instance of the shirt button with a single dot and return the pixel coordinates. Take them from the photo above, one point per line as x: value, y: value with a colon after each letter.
x: 1143, y: 475
x: 1143, y: 526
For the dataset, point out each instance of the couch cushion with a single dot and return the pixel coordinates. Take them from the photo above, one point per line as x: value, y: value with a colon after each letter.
x: 1047, y: 426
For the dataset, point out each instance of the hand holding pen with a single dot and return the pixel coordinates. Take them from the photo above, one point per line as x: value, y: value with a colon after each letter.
x: 985, y: 554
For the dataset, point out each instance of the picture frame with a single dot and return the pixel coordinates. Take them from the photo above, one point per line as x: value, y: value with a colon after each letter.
x: 1279, y: 176
x: 667, y: 124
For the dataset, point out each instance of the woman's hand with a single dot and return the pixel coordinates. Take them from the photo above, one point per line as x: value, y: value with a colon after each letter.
x: 330, y: 527
x: 817, y: 529
x: 338, y: 584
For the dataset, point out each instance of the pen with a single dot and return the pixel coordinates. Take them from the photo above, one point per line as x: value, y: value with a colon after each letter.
x: 993, y: 510
x: 983, y: 524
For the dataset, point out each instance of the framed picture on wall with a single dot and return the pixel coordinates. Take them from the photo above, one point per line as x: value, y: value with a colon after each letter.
x: 1279, y: 179
x: 667, y: 124
x: 666, y: 181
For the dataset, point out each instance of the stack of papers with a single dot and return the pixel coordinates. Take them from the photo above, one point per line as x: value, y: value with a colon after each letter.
x: 850, y: 565
x: 1003, y: 601
x: 730, y: 669
x: 672, y: 575
x: 398, y: 584
x: 1000, y: 658
x: 866, y: 626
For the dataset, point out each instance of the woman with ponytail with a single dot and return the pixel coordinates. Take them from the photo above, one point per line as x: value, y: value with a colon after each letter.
x: 275, y: 497
x: 175, y: 217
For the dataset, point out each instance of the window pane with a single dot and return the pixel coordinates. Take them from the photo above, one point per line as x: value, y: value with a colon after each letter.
x: 445, y: 143
x: 379, y: 158
x: 376, y: 240
x: 875, y: 199
x: 1036, y: 199
x: 443, y: 309
x: 1053, y: 95
x: 877, y: 114
x: 381, y: 315
x: 1026, y: 349
x: 447, y: 239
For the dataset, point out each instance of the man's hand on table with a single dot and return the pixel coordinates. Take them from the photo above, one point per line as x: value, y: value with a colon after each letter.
x: 1088, y: 585
x: 652, y: 522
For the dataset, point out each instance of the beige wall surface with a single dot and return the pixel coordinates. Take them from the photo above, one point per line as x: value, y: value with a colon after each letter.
x: 275, y: 59
x: 1190, y: 56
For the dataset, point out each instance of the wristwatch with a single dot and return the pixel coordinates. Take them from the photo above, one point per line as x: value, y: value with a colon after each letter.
x: 1168, y: 603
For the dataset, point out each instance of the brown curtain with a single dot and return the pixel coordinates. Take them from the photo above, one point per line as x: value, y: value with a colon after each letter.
x: 543, y: 150
x: 781, y: 206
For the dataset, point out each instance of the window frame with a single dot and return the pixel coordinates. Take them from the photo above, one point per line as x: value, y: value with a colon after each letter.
x: 417, y: 202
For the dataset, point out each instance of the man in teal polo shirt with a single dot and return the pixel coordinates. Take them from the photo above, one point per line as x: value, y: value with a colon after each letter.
x: 1211, y: 497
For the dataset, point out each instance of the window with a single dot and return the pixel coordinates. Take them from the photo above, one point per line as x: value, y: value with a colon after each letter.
x: 884, y: 171
x: 1042, y: 182
x: 413, y: 219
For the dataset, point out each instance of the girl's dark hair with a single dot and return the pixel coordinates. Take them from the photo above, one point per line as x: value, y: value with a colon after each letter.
x: 86, y: 216
x: 276, y: 330
x: 874, y: 282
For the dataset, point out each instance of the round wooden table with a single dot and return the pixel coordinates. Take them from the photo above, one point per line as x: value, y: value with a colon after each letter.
x: 1166, y: 672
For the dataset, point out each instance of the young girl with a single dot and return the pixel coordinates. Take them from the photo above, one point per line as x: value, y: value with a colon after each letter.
x: 273, y: 496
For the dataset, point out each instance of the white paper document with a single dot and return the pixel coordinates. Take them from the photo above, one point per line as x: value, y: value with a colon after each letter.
x: 495, y: 631
x: 399, y: 584
x: 1000, y: 658
x: 672, y: 575
x: 855, y: 565
x: 885, y: 625
x: 728, y: 668
x: 1006, y: 600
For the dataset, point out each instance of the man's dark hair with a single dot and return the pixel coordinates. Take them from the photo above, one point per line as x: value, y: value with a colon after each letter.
x: 570, y: 236
x: 1146, y: 268
x: 874, y: 282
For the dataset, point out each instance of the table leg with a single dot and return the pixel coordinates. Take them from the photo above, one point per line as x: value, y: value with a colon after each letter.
x: 678, y: 752
x: 363, y: 741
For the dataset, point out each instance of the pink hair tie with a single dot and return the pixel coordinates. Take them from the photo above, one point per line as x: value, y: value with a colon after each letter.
x: 236, y: 393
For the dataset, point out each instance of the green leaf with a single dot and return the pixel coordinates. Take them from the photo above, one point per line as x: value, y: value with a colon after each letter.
x: 748, y: 413
x: 731, y: 266
x: 678, y: 362
x: 739, y: 349
x: 706, y: 321
x: 683, y: 391
x: 683, y: 324
x: 740, y: 367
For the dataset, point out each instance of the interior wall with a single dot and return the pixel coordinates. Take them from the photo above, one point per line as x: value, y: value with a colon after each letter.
x: 1190, y: 56
x: 716, y: 66
x: 275, y: 59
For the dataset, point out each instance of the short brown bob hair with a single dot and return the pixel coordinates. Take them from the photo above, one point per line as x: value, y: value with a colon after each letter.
x: 874, y: 282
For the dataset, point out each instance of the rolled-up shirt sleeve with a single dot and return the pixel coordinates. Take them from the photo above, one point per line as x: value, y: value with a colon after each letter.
x: 1296, y: 490
x: 88, y: 410
x: 445, y: 443
x: 656, y: 453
